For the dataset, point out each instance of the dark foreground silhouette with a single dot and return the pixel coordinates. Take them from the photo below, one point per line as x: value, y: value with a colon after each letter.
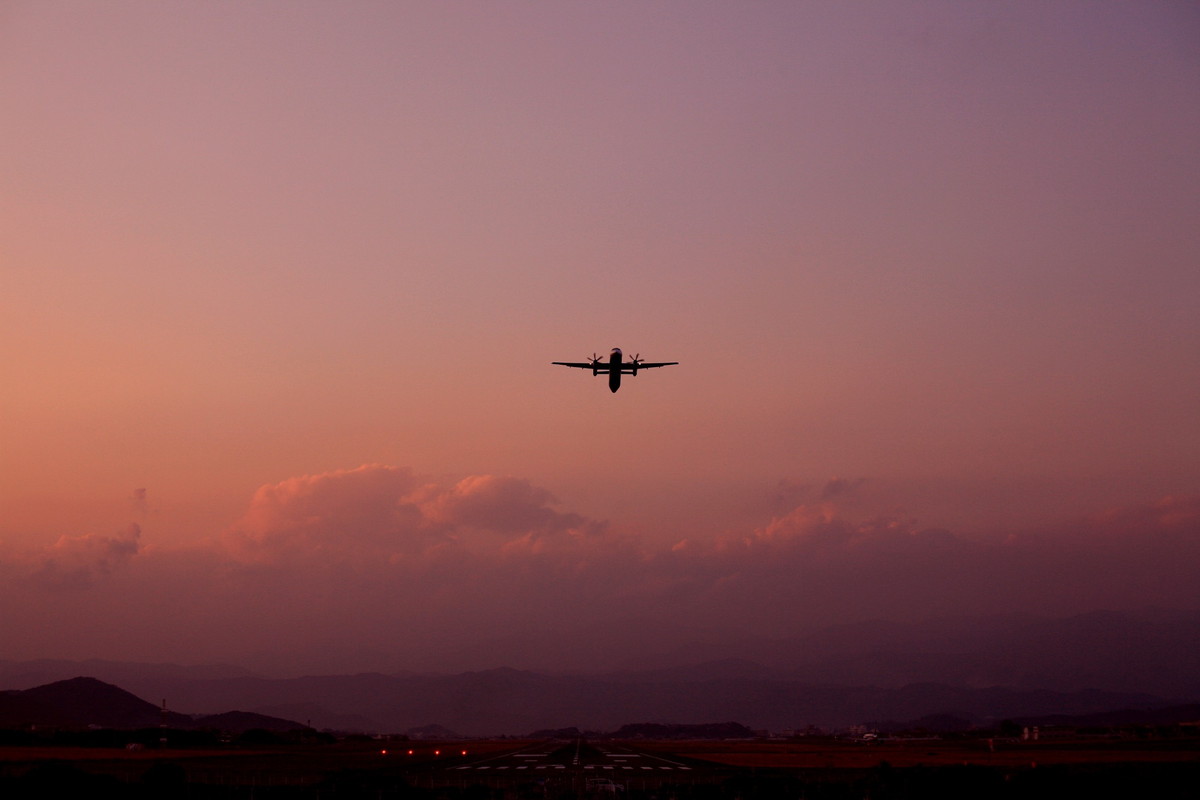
x: 441, y: 771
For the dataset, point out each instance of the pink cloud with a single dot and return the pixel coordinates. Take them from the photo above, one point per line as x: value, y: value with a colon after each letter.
x: 1172, y: 514
x: 387, y: 512
x: 378, y: 557
x: 819, y: 562
x: 76, y: 562
x: 840, y: 486
x: 502, y: 505
x: 330, y: 515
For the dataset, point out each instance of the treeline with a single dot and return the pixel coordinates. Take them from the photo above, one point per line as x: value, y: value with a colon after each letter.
x: 654, y: 730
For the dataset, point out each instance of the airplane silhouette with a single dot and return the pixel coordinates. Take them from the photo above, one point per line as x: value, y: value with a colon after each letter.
x: 614, y: 368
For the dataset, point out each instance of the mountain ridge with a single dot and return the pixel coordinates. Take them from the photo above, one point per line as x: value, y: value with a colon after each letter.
x: 980, y: 666
x: 514, y: 702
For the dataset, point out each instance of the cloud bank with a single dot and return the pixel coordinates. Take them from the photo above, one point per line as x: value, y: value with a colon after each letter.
x: 378, y: 563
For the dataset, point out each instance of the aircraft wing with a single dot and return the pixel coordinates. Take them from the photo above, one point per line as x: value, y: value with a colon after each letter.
x: 599, y: 367
x: 652, y: 365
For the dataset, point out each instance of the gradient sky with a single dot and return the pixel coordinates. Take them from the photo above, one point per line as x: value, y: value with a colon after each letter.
x: 282, y: 283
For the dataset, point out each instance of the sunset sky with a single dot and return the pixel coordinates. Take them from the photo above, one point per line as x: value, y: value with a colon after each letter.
x: 282, y: 283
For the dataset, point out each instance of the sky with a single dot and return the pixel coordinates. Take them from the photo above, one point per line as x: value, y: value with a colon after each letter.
x: 283, y: 282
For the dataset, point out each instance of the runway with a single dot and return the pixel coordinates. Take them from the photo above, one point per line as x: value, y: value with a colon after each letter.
x: 576, y: 763
x: 578, y: 756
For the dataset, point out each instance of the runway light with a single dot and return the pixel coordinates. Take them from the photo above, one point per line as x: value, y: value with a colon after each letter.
x: 437, y: 752
x: 410, y: 752
x: 383, y: 752
x: 464, y: 752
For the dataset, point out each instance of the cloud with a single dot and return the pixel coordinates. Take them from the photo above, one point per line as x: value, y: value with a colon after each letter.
x: 501, y: 541
x: 138, y: 501
x: 330, y: 515
x: 1173, y: 514
x: 387, y: 512
x: 76, y: 562
x: 821, y: 563
x: 501, y: 505
x: 789, y: 493
x: 840, y: 486
x: 379, y: 558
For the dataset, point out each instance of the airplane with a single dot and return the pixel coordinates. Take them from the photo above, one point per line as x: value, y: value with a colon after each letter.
x: 614, y: 368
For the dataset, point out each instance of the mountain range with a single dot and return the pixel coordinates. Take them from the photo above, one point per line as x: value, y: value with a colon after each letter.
x: 84, y: 702
x: 978, y: 670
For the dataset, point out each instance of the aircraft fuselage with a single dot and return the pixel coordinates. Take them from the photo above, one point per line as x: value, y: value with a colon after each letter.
x: 614, y: 370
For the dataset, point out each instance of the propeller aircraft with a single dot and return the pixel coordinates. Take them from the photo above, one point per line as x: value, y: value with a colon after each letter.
x: 615, y: 366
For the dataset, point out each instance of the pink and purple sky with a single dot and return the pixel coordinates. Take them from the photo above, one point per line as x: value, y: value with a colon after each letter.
x: 282, y: 283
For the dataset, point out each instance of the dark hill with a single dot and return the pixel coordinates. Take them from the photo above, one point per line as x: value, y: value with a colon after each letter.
x: 83, y: 702
x: 242, y: 721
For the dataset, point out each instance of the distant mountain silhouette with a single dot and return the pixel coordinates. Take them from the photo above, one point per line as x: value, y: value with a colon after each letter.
x: 1153, y: 651
x: 1171, y: 715
x: 87, y: 702
x: 718, y: 670
x: 712, y: 730
x: 431, y: 732
x: 975, y: 669
x: 242, y: 721
x: 314, y: 714
x: 507, y: 701
x: 82, y: 702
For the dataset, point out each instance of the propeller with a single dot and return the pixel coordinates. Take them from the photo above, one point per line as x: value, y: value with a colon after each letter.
x: 595, y: 358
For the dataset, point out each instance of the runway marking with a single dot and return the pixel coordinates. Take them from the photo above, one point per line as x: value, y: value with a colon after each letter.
x: 668, y: 766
